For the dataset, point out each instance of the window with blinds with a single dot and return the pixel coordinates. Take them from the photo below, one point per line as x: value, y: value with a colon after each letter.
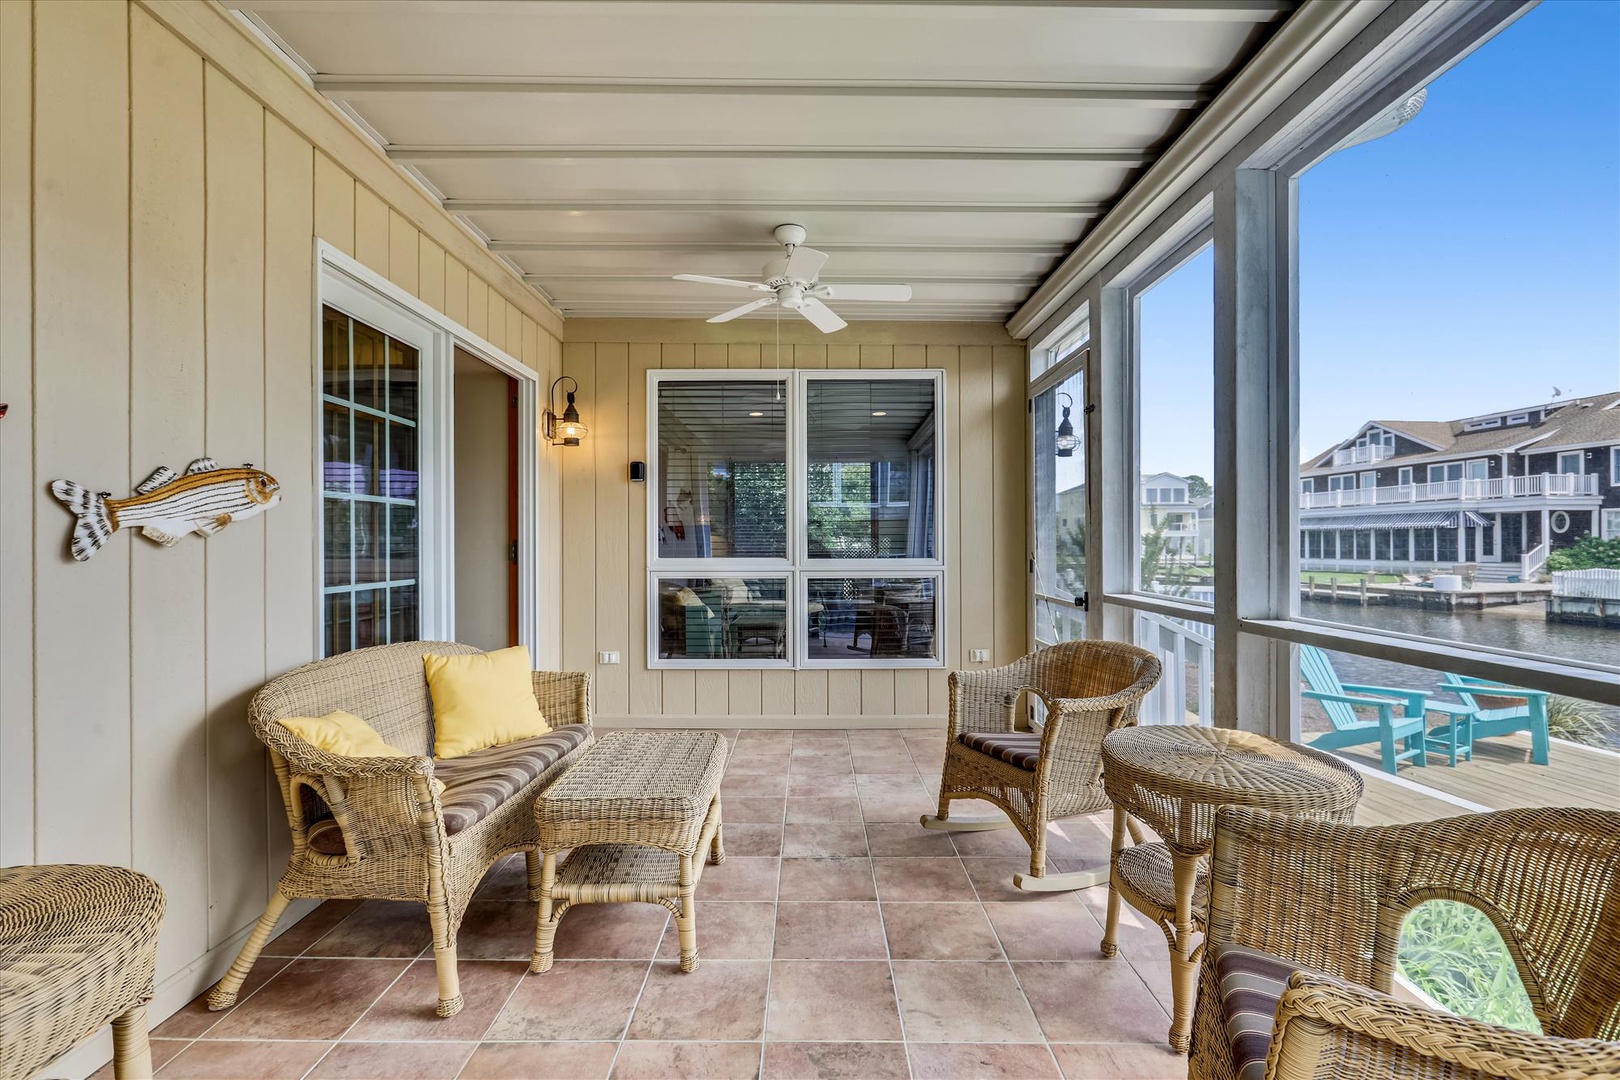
x: 792, y: 512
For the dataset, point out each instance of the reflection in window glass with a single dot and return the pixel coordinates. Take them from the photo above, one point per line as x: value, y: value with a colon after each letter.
x: 730, y: 618
x: 1175, y: 321
x: 1059, y: 468
x: 722, y: 464
x: 872, y: 618
x: 871, y: 455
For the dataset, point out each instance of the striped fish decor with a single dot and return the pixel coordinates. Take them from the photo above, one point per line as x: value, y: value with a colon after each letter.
x: 166, y: 506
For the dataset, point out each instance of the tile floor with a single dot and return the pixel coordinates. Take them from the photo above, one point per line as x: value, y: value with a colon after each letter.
x: 838, y: 939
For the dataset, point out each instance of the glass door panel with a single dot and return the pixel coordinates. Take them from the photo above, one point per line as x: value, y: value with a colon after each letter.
x: 1059, y: 500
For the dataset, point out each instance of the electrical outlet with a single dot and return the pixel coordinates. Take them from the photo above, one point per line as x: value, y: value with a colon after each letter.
x: 978, y: 656
x: 607, y: 658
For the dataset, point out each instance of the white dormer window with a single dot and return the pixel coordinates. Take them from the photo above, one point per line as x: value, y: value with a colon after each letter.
x: 1519, y: 418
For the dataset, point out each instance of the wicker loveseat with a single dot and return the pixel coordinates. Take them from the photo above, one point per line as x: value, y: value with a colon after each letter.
x: 378, y: 828
x: 1304, y: 921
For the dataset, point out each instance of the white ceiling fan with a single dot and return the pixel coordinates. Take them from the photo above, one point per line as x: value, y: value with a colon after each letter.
x: 792, y: 283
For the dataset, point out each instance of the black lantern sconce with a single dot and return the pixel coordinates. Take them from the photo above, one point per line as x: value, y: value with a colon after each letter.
x: 564, y: 430
x: 1067, y: 441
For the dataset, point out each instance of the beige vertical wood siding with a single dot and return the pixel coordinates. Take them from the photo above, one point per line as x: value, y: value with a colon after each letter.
x: 161, y: 185
x: 604, y: 551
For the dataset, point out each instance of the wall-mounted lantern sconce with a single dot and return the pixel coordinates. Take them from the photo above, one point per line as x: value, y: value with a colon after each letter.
x: 1067, y: 441
x: 564, y: 430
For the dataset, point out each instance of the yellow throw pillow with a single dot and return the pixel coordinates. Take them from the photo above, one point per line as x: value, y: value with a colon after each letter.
x: 345, y: 734
x: 482, y: 700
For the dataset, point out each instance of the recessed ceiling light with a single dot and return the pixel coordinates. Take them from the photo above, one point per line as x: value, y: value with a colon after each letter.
x: 756, y: 414
x: 880, y: 412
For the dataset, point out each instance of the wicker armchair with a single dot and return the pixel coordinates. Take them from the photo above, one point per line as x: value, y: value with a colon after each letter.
x: 78, y: 945
x: 375, y: 828
x: 1089, y: 688
x: 1326, y: 902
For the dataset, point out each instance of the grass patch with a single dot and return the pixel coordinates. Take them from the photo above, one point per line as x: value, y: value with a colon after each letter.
x: 1452, y: 952
x: 1323, y: 577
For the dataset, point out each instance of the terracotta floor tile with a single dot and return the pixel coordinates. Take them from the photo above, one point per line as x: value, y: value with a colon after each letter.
x: 821, y: 763
x: 726, y: 930
x: 825, y: 786
x: 827, y: 879
x: 1156, y: 973
x: 163, y: 1051
x: 1120, y: 1061
x: 722, y: 999
x: 576, y: 1000
x: 311, y: 928
x: 957, y: 1002
x: 252, y: 1060
x: 982, y: 1061
x: 506, y: 880
x: 194, y: 1019
x: 752, y: 840
x: 394, y: 1061
x: 378, y: 928
x: 956, y: 931
x: 823, y: 840
x: 772, y: 784
x: 1007, y: 843
x: 497, y: 930
x: 310, y: 999
x: 897, y: 808
x: 541, y: 1061
x: 831, y: 1000
x: 758, y: 764
x: 739, y: 878
x: 1045, y: 931
x: 1092, y: 1001
x: 681, y: 1060
x: 408, y: 1010
x: 1138, y: 937
x: 887, y: 761
x: 896, y: 839
x: 903, y: 880
x: 610, y: 932
x: 992, y: 880
x: 846, y: 930
x: 810, y: 809
x: 752, y: 809
x: 836, y: 1061
x: 893, y: 785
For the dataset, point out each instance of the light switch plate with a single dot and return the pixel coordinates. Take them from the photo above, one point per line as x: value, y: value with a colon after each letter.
x: 978, y: 656
x: 607, y: 658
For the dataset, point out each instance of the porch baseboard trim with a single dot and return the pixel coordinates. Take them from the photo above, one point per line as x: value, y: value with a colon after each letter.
x: 173, y: 994
x: 771, y: 722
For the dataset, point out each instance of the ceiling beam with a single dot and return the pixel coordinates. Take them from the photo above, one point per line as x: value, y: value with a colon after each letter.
x: 1153, y: 95
x: 701, y: 246
x: 1191, y: 10
x: 867, y: 279
x: 1124, y: 156
x: 731, y: 206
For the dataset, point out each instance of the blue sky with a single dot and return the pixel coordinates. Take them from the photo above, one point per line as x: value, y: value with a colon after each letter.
x: 1468, y: 262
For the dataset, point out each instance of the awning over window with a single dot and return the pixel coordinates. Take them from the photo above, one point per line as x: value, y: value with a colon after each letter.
x: 1433, y: 519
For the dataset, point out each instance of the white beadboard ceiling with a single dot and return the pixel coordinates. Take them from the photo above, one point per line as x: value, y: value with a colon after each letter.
x: 960, y: 146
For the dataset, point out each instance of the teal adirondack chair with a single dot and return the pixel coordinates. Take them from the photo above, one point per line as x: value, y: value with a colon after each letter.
x: 1399, y: 738
x: 1522, y: 710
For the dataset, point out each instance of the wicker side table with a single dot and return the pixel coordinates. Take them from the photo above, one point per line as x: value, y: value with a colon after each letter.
x: 1173, y: 778
x: 639, y: 811
x: 77, y: 948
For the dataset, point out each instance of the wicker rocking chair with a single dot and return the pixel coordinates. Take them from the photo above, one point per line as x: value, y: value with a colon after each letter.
x: 1305, y: 917
x: 1089, y: 688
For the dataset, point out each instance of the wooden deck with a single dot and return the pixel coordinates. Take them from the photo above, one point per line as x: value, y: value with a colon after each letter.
x: 1501, y: 776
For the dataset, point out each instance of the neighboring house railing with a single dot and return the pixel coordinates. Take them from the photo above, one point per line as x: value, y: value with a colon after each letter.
x: 1532, y: 560
x: 1187, y: 651
x: 1503, y: 487
x: 1587, y: 584
x: 1362, y: 455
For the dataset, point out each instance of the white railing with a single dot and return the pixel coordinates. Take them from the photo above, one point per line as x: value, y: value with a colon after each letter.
x: 1502, y: 487
x: 1187, y: 651
x: 1587, y: 584
x: 1532, y: 561
x: 1362, y: 455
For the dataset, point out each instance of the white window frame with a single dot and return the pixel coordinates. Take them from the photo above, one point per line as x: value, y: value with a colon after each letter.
x: 1482, y: 464
x: 1403, y: 476
x: 1614, y: 465
x: 343, y: 283
x: 797, y: 565
x: 1610, y: 520
x: 1580, y: 462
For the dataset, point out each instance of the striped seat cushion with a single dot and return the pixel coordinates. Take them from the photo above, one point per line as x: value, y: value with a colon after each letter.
x: 1018, y: 748
x: 476, y: 784
x: 1252, y: 982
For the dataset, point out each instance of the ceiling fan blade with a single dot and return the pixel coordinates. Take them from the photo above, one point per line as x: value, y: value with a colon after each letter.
x: 864, y: 292
x: 704, y: 279
x: 823, y: 316
x: 804, y: 264
x: 727, y: 316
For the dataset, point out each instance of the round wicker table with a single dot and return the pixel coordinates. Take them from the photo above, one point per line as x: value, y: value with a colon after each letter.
x: 1172, y: 779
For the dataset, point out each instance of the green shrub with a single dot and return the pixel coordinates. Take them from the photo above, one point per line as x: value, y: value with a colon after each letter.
x: 1589, y: 553
x: 1452, y: 952
x: 1577, y: 721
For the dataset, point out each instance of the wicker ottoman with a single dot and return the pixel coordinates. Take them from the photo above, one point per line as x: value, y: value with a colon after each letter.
x: 639, y: 811
x: 77, y: 948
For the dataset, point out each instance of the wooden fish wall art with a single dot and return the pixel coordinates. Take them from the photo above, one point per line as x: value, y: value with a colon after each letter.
x: 166, y: 506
